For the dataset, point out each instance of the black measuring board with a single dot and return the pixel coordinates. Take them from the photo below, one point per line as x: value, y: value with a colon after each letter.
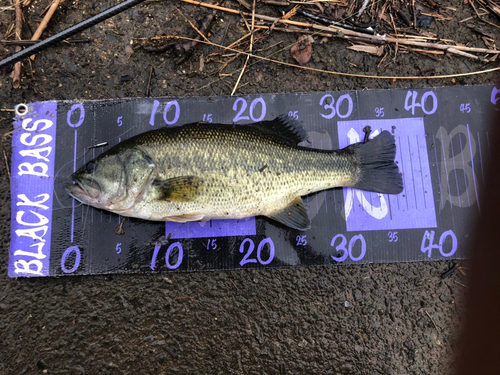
x: 442, y: 139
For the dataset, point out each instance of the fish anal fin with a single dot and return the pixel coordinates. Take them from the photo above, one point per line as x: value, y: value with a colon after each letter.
x: 179, y: 189
x: 294, y: 215
x: 184, y: 218
x: 285, y: 127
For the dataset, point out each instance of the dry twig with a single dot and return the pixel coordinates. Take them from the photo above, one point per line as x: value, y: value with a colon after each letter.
x: 45, y: 22
x: 432, y: 320
x: 6, y: 163
x: 347, y: 34
x: 446, y: 76
x: 248, y: 55
x: 16, y: 78
x: 46, y: 19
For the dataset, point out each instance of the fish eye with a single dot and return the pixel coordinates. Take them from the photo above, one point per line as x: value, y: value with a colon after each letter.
x: 90, y: 166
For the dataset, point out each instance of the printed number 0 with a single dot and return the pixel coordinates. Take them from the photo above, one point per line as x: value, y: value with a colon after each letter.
x: 74, y: 107
x: 348, y: 251
x: 78, y: 257
x: 336, y: 109
x: 251, y: 246
x: 239, y: 116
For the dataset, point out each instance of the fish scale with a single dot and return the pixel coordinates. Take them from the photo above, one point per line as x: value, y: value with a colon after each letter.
x: 206, y: 171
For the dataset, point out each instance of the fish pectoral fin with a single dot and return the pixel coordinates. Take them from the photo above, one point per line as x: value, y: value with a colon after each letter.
x: 178, y: 189
x: 294, y: 215
x: 184, y: 218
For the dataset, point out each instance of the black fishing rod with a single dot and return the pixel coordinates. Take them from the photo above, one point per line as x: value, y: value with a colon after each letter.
x: 68, y: 33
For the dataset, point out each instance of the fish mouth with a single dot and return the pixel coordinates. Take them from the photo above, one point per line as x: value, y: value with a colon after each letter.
x: 85, y: 190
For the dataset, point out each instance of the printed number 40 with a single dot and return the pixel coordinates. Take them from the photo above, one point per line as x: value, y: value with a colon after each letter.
x: 413, y: 95
x: 428, y: 243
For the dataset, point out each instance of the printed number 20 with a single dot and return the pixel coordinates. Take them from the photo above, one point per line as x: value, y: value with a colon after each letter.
x: 251, y: 246
x: 239, y: 116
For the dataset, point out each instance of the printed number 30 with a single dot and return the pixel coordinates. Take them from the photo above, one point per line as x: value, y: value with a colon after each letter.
x: 348, y: 251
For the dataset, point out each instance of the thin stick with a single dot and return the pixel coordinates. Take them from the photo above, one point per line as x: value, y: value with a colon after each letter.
x: 432, y: 320
x: 233, y: 284
x: 340, y: 32
x: 471, y: 2
x: 16, y: 79
x: 490, y: 23
x: 193, y: 26
x: 232, y: 45
x: 245, y: 21
x: 465, y: 54
x: 45, y: 22
x: 149, y: 81
x: 6, y: 163
x: 7, y: 134
x: 344, y: 74
x: 456, y: 282
x: 470, y: 18
x: 248, y: 55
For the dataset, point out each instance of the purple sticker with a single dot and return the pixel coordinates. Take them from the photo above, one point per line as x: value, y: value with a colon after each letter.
x: 32, y: 183
x: 414, y: 207
x: 212, y: 228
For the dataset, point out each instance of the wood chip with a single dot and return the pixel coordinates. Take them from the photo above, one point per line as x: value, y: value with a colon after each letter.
x: 374, y: 50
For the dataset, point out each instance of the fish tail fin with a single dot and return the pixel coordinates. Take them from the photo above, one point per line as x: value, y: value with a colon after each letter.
x: 378, y: 171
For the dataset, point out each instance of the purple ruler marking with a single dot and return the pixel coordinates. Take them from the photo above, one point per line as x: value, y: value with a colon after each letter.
x: 212, y: 228
x: 32, y: 183
x: 415, y: 212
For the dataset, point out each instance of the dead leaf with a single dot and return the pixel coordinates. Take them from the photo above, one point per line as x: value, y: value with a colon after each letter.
x: 302, y: 50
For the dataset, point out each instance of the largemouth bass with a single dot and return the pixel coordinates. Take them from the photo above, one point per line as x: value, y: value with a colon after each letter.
x: 203, y: 171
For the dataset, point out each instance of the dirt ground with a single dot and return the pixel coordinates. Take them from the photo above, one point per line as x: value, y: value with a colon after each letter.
x: 399, y: 319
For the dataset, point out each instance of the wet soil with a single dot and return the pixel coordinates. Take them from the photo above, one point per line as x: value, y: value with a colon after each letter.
x: 371, y: 319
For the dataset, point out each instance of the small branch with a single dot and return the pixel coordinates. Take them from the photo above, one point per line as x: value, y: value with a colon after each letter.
x: 148, y: 88
x: 193, y: 26
x: 344, y: 33
x: 245, y: 4
x: 445, y: 76
x: 45, y: 22
x: 432, y: 320
x: 16, y: 79
x: 251, y: 48
x: 6, y: 163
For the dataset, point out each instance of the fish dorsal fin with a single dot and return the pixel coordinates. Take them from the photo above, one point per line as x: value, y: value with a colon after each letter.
x: 179, y: 189
x: 285, y: 127
x: 294, y: 215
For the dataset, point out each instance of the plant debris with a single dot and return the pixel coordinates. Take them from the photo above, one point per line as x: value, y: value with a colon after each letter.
x: 302, y: 50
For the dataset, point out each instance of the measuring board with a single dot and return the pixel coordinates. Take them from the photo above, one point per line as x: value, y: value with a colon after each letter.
x: 442, y: 149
